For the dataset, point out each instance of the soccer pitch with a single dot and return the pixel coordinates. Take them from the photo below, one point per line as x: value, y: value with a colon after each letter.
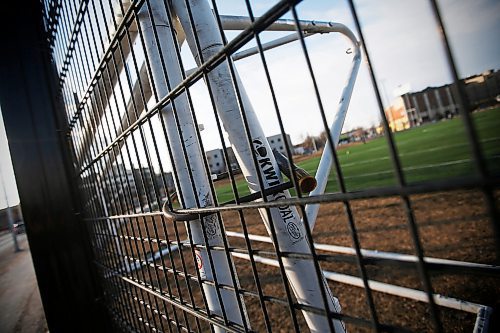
x: 432, y: 151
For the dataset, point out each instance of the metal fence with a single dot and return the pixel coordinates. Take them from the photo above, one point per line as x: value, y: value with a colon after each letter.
x: 180, y: 249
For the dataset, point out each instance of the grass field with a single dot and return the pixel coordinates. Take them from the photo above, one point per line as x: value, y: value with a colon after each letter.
x: 432, y: 151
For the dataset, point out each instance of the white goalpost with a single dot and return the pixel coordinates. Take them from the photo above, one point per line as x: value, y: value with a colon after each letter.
x: 285, y: 222
x: 180, y: 129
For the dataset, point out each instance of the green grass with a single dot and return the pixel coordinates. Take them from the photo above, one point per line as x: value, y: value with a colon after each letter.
x: 432, y: 151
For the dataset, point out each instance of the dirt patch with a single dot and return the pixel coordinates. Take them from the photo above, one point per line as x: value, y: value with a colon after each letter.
x: 451, y: 225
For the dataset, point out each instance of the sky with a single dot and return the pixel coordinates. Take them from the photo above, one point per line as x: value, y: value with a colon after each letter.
x: 8, y: 187
x: 403, y: 42
x: 404, y: 45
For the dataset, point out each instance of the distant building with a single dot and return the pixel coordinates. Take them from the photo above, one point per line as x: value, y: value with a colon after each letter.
x: 398, y: 115
x: 232, y: 159
x: 374, y: 131
x: 299, y: 150
x: 430, y: 104
x: 278, y: 142
x: 359, y: 134
x: 216, y: 161
x: 169, y: 181
x: 120, y: 175
x: 137, y: 185
x: 436, y: 103
x: 483, y: 89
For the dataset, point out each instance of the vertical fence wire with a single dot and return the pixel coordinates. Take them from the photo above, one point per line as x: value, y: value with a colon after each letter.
x: 141, y: 225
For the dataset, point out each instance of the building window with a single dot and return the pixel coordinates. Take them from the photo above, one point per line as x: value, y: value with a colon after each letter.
x: 281, y: 147
x: 279, y: 139
x: 215, y: 156
x: 217, y: 164
x: 210, y: 165
x: 272, y: 141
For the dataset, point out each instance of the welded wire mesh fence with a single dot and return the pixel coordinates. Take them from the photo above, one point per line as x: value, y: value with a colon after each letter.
x: 191, y: 239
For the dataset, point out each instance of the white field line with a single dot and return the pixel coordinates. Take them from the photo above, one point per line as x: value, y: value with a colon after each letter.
x: 369, y: 253
x: 414, y: 294
x: 417, y: 295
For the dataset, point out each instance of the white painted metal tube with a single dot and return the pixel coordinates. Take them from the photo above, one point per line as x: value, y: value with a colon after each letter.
x: 483, y: 320
x: 230, y: 22
x: 482, y: 311
x: 255, y: 50
x: 372, y: 253
x: 285, y: 220
x: 308, y: 27
x: 326, y: 161
x: 324, y: 168
x: 268, y: 46
x: 157, y: 255
x: 194, y: 162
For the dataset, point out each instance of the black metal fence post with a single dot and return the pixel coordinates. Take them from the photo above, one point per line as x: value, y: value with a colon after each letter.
x: 34, y: 120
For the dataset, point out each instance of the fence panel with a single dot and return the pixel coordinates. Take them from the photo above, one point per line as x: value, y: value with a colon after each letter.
x: 259, y: 234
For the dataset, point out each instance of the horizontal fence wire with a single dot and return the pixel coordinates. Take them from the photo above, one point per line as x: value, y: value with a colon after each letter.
x: 249, y: 237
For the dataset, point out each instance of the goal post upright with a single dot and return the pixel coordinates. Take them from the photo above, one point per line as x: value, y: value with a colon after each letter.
x: 181, y: 132
x: 286, y: 221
